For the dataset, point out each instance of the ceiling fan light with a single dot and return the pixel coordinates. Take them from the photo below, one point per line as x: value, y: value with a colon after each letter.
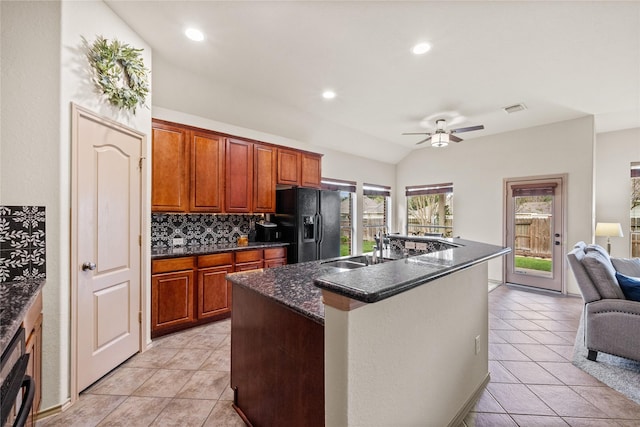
x: 440, y: 140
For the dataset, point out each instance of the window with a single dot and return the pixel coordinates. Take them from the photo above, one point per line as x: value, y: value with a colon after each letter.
x: 375, y: 213
x: 635, y: 210
x: 347, y: 190
x: 430, y: 210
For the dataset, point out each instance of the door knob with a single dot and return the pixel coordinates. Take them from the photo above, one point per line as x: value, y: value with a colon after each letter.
x: 88, y: 266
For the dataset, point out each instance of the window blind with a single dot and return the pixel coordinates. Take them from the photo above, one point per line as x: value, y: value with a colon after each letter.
x: 546, y: 189
x: 338, y: 185
x: 376, y: 190
x: 423, y: 190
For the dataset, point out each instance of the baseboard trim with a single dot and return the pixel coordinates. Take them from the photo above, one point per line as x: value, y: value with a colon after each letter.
x: 468, y: 406
x: 54, y: 410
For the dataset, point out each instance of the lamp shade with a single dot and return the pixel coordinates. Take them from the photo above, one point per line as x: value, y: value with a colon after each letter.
x: 440, y: 139
x: 609, y: 229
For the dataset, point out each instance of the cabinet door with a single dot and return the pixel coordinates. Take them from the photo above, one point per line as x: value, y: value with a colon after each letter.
x: 171, y: 300
x: 214, y: 291
x: 264, y: 178
x: 239, y: 174
x: 311, y: 170
x: 288, y: 167
x: 169, y: 169
x: 207, y: 172
x: 34, y: 368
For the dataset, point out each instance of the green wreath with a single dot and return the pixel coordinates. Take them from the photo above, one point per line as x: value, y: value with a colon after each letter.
x: 119, y: 72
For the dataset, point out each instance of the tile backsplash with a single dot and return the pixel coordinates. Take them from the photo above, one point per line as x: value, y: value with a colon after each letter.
x: 198, y: 229
x: 22, y: 243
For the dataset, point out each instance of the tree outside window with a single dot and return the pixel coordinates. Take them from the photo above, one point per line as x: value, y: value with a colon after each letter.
x: 635, y: 210
x: 430, y: 210
x: 347, y: 190
x: 375, y: 214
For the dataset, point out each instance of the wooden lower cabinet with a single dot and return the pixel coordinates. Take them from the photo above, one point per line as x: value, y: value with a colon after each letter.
x: 172, y: 300
x: 275, y: 257
x: 188, y: 291
x: 33, y: 331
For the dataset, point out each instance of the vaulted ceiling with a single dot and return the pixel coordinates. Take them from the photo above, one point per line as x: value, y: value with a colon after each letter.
x: 563, y: 60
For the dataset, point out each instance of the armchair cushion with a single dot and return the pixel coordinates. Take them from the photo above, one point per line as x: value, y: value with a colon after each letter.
x: 602, y: 274
x: 627, y: 266
x: 630, y: 286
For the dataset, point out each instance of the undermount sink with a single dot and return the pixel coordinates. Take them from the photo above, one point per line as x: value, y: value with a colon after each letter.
x: 344, y: 264
x: 353, y: 262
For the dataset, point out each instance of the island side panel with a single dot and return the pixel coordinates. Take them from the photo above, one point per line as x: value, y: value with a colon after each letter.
x: 277, y: 362
x: 409, y: 359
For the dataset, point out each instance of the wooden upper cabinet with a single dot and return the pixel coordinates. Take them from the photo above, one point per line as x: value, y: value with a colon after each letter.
x: 264, y: 178
x: 239, y: 176
x: 207, y: 172
x: 311, y: 170
x: 169, y: 169
x: 288, y: 167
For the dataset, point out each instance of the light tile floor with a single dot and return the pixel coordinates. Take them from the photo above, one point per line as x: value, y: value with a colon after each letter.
x: 533, y: 382
x: 183, y: 380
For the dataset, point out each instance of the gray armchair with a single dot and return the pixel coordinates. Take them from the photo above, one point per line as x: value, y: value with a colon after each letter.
x: 612, y: 323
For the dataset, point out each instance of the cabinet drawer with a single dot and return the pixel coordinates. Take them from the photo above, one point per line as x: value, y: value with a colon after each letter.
x: 273, y: 253
x: 172, y: 264
x: 248, y: 256
x: 215, y: 260
x: 246, y: 266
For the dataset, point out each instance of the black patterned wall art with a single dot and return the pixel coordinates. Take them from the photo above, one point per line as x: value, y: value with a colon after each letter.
x: 22, y: 243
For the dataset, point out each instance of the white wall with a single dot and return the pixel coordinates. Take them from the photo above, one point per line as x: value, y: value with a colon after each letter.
x: 477, y: 168
x: 408, y: 360
x: 615, y: 151
x: 44, y: 70
x: 335, y: 164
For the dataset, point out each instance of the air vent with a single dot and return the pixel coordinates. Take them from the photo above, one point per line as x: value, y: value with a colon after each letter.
x: 514, y: 108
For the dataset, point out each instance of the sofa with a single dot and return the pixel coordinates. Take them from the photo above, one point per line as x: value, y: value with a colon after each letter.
x: 611, y: 321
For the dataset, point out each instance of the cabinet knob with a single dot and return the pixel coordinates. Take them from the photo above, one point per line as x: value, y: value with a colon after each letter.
x: 88, y: 266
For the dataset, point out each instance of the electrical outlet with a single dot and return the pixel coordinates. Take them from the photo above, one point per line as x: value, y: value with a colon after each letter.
x: 409, y: 245
x: 478, y: 344
x: 178, y: 241
x: 421, y: 246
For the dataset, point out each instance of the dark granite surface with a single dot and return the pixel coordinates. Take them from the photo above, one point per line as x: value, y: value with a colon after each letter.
x: 159, y: 253
x: 291, y: 285
x: 296, y: 285
x: 377, y: 282
x: 15, y: 300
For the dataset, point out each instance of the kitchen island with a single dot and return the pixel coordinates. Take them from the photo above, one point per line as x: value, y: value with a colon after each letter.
x: 402, y: 342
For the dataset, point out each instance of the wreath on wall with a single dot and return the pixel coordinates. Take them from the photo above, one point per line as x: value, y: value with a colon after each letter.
x: 119, y: 73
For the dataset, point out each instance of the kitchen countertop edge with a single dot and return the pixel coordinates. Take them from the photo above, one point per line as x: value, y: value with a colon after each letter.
x: 17, y: 298
x: 185, y: 251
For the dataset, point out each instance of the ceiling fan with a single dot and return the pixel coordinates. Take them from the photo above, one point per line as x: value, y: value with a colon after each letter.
x: 441, y: 136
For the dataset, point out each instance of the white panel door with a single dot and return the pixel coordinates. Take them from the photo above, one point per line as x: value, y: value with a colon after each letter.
x: 108, y: 247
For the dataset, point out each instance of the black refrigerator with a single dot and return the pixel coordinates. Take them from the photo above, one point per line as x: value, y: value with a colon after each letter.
x: 309, y: 221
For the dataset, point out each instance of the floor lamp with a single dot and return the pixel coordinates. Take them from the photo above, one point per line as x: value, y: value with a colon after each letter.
x: 609, y: 230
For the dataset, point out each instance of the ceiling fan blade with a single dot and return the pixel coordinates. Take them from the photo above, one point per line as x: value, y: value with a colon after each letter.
x: 424, y: 140
x: 467, y: 129
x: 417, y: 133
x: 455, y: 138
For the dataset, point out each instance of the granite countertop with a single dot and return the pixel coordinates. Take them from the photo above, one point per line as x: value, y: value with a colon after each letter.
x: 15, y: 300
x: 291, y: 285
x: 180, y: 251
x: 380, y: 281
x: 297, y: 286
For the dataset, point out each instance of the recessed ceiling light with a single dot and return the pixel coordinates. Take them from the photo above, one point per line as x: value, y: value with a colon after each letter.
x: 421, y: 48
x: 194, y: 34
x: 328, y: 94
